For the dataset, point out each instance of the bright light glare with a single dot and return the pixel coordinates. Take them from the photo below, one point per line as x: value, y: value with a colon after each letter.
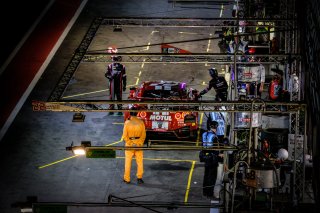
x: 79, y: 151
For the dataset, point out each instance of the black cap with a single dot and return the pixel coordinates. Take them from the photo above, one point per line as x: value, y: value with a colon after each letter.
x: 213, y: 124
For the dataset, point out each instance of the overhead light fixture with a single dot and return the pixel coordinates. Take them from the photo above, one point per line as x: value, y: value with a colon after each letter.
x: 78, y: 117
x: 117, y: 29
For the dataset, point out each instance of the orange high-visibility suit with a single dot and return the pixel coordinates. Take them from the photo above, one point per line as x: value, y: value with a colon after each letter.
x: 134, y: 134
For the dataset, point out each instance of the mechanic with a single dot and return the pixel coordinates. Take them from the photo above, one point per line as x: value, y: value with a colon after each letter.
x: 134, y: 135
x: 116, y: 74
x: 211, y: 161
x: 219, y: 84
x: 237, y: 45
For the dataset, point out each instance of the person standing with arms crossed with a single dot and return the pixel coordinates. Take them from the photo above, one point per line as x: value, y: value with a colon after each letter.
x: 134, y: 135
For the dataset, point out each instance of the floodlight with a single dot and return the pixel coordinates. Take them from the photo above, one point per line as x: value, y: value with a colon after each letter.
x: 79, y: 150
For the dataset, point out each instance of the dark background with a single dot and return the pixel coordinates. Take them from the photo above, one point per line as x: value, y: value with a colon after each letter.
x: 16, y: 19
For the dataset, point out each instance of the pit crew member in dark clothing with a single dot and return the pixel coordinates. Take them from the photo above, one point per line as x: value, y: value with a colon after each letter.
x: 211, y: 159
x: 219, y: 84
x: 116, y: 74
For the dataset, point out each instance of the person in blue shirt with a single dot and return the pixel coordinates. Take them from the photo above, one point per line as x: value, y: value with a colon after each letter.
x: 211, y: 159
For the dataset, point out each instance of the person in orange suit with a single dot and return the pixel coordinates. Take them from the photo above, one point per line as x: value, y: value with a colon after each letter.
x: 134, y: 135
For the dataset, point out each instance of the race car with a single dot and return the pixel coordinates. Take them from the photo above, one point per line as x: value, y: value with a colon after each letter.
x: 177, y: 124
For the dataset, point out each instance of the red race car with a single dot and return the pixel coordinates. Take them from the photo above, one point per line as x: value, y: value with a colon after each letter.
x: 177, y: 124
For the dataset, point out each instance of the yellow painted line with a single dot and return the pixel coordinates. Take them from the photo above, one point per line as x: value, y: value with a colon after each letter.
x: 142, y: 65
x: 118, y: 123
x: 139, y: 73
x: 110, y: 144
x: 137, y: 81
x: 199, y: 129
x: 166, y: 159
x: 59, y: 161
x: 208, y: 47
x: 221, y: 10
x: 148, y: 46
x: 209, y: 43
x: 188, y: 33
x: 189, y: 182
x: 87, y: 93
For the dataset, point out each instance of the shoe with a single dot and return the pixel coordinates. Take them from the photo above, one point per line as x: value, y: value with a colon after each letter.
x: 119, y: 113
x: 111, y: 113
x: 127, y: 182
x: 140, y: 181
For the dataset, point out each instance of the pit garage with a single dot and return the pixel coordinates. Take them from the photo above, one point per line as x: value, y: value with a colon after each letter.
x: 266, y: 158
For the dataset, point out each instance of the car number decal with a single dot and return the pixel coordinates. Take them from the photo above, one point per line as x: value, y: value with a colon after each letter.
x: 160, y: 125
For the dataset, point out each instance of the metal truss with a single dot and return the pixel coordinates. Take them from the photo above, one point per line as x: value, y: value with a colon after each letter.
x: 75, y: 61
x: 297, y: 124
x: 184, y: 22
x: 186, y: 58
x: 81, y: 55
x: 170, y: 106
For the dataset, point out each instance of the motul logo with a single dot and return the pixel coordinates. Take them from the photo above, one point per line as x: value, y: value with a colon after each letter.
x: 160, y: 118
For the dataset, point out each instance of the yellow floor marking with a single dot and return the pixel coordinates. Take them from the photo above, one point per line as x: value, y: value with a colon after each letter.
x: 221, y: 10
x: 188, y: 33
x: 114, y: 142
x: 59, y: 161
x: 137, y: 81
x: 189, y: 182
x: 199, y: 129
x: 88, y: 93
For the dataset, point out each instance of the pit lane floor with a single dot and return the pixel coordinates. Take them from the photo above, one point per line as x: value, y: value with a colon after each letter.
x: 33, y: 156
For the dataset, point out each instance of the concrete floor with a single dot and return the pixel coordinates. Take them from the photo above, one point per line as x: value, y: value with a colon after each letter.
x: 33, y: 156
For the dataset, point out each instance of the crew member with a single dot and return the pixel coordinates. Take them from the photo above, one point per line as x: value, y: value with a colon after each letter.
x: 219, y: 84
x: 134, y: 135
x: 211, y: 159
x: 275, y: 88
x: 116, y: 73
